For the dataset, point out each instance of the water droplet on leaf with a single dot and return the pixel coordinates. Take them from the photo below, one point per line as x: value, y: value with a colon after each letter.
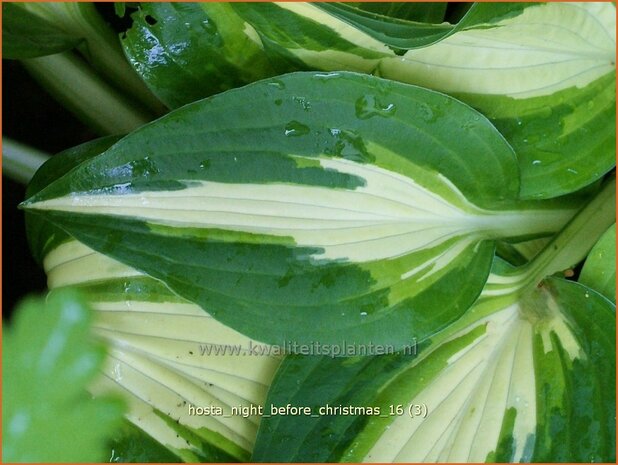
x: 145, y: 167
x: 349, y: 145
x: 426, y: 113
x: 117, y: 372
x: 277, y: 84
x: 326, y: 76
x: 303, y: 102
x: 295, y: 129
x: 369, y: 106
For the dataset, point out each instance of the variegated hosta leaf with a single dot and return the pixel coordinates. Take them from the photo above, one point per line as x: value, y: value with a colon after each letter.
x: 336, y: 208
x: 517, y: 379
x: 188, y: 51
x: 166, y: 356
x: 543, y: 73
x: 599, y: 271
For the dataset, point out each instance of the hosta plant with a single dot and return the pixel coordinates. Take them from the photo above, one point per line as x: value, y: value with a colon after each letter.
x: 354, y: 235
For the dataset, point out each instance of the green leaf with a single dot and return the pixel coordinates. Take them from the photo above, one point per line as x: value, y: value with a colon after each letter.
x: 543, y: 73
x: 187, y: 51
x: 528, y: 378
x: 518, y: 377
x: 555, y: 104
x: 49, y: 356
x: 568, y: 432
x: 26, y: 35
x: 599, y: 271
x: 564, y: 141
x: 309, y: 210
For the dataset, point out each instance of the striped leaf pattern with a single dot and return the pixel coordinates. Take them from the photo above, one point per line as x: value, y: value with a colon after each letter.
x: 516, y: 379
x: 344, y: 211
x: 167, y: 358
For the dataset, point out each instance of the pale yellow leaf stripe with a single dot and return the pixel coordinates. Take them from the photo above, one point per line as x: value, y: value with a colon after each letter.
x: 468, y: 400
x: 156, y: 360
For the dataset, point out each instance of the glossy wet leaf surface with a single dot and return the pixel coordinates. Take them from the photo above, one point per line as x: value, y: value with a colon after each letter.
x: 187, y: 51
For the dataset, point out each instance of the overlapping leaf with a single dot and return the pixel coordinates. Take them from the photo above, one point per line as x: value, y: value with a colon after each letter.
x: 301, y: 222
x: 327, y: 35
x: 168, y: 359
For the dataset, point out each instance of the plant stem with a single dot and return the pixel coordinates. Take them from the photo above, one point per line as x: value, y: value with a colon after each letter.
x: 566, y: 249
x: 574, y: 242
x: 19, y: 161
x: 101, y: 47
x: 78, y: 87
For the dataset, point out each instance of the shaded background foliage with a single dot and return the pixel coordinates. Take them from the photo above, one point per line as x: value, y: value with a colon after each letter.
x: 31, y: 116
